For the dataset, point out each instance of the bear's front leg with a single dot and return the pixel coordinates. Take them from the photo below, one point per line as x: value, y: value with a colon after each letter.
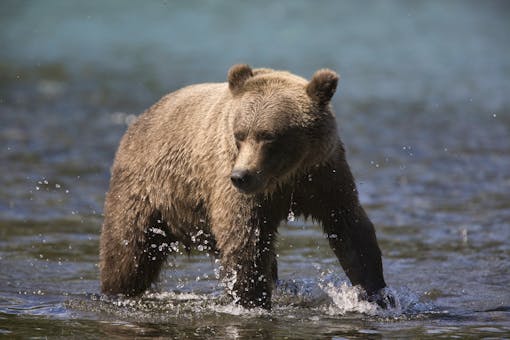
x: 248, y: 273
x: 248, y: 260
x: 331, y: 198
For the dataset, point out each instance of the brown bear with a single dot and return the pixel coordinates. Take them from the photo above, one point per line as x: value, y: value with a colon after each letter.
x: 220, y: 165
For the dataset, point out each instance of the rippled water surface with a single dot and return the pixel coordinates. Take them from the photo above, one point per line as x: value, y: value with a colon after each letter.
x: 423, y: 108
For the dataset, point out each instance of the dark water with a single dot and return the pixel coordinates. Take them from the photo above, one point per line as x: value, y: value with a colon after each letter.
x: 423, y: 107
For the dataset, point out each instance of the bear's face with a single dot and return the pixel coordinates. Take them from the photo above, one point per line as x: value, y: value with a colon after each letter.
x: 281, y: 123
x: 268, y: 144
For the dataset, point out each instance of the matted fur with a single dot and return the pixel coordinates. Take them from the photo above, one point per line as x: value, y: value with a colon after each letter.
x: 171, y: 183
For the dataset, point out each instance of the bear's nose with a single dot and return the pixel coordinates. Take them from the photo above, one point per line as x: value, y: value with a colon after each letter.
x: 242, y: 179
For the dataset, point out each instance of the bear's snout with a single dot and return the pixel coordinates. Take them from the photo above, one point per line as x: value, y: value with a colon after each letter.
x: 244, y: 180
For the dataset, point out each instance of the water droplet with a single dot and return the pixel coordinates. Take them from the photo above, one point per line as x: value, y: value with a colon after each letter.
x: 464, y: 236
x: 291, y: 217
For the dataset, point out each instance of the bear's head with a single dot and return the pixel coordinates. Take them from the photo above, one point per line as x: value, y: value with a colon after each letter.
x: 282, y: 124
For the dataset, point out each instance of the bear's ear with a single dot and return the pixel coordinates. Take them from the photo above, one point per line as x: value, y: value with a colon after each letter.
x: 237, y: 76
x: 322, y: 86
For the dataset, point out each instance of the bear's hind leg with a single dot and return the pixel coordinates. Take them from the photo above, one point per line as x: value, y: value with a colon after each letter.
x: 132, y: 256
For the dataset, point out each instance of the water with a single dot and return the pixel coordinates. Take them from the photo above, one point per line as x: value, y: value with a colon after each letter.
x: 423, y: 108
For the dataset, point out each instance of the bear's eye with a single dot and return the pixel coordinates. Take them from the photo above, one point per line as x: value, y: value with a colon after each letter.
x: 265, y: 136
x: 239, y: 136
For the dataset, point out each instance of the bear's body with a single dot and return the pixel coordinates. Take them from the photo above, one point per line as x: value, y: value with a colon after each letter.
x: 220, y: 166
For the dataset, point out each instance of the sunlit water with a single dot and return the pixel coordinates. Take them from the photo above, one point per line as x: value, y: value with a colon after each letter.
x: 423, y: 109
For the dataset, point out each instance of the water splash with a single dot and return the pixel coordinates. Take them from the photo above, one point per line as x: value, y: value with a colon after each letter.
x: 301, y: 299
x: 228, y: 282
x: 331, y: 294
x: 347, y: 299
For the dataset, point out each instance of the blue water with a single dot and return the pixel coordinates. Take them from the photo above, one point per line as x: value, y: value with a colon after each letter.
x: 422, y: 107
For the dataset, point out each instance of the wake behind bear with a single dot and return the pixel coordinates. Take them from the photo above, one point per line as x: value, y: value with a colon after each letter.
x: 220, y: 165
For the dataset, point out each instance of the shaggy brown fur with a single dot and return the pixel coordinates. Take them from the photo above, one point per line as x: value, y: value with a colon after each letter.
x: 221, y: 165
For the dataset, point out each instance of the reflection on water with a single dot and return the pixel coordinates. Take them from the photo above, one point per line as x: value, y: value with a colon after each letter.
x: 423, y: 109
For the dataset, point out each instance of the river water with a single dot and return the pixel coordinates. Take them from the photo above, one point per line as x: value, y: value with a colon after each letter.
x: 423, y: 108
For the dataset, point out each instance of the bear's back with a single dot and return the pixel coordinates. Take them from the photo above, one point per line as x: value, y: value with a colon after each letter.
x: 169, y: 152
x: 173, y: 123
